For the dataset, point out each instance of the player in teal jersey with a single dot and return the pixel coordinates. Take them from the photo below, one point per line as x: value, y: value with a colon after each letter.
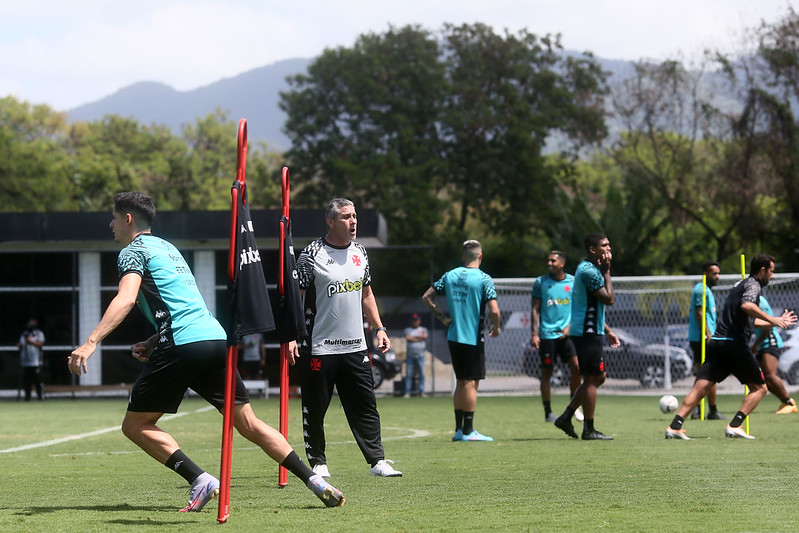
x: 593, y: 290
x: 711, y: 271
x: 469, y: 291
x: 186, y: 351
x: 550, y: 315
x: 767, y: 347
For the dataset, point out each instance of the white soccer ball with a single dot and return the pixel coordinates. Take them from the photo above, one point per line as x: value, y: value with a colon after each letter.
x: 668, y: 403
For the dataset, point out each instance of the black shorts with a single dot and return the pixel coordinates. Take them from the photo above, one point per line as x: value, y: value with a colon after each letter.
x: 771, y: 350
x: 730, y: 357
x: 165, y: 378
x: 696, y: 348
x: 468, y: 362
x: 589, y: 354
x: 562, y: 347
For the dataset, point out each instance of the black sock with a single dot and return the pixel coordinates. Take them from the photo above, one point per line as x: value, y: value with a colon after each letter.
x: 786, y: 400
x: 294, y: 464
x: 180, y: 463
x: 712, y: 408
x: 547, y: 408
x: 588, y: 425
x: 468, y: 422
x: 677, y: 422
x: 568, y: 413
x: 458, y: 419
x: 737, y: 420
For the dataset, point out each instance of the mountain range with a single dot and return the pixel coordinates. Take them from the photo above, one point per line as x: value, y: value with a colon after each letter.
x: 253, y: 95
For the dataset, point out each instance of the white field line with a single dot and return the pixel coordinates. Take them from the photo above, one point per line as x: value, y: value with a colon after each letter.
x: 90, y: 434
x: 414, y: 434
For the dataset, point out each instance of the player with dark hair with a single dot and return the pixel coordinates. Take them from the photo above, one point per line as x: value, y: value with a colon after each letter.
x: 187, y: 351
x: 336, y: 282
x: 550, y: 315
x: 711, y: 271
x: 729, y: 352
x: 469, y: 291
x: 767, y: 347
x: 593, y: 290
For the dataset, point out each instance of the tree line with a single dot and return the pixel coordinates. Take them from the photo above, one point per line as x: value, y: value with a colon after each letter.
x: 468, y: 133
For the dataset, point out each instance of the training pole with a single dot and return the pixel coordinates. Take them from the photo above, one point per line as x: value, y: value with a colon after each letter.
x: 746, y: 387
x: 282, y: 476
x: 233, y: 350
x: 704, y: 341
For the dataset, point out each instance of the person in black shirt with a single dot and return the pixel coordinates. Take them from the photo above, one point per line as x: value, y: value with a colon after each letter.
x: 729, y: 353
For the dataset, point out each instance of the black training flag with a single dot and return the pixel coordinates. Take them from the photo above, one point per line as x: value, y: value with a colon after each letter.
x: 251, y: 311
x: 290, y: 315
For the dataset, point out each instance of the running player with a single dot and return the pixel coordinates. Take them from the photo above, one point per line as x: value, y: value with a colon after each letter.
x: 729, y: 352
x: 187, y: 351
x: 768, y: 347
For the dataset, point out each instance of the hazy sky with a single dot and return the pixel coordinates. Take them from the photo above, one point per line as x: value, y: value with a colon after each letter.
x: 69, y: 53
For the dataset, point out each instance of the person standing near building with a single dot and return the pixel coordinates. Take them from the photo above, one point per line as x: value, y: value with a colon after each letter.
x: 469, y: 291
x: 729, y: 351
x: 550, y: 317
x: 188, y: 350
x: 768, y: 347
x: 416, y: 341
x: 711, y: 271
x: 593, y: 290
x: 253, y: 356
x: 336, y: 284
x: 30, y: 358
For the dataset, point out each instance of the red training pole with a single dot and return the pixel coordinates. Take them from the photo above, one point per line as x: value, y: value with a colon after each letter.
x: 282, y: 476
x: 226, y: 461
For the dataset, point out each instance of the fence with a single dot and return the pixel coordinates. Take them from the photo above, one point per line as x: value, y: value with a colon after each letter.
x: 650, y: 315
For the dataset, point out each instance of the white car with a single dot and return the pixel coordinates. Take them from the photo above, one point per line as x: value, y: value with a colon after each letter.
x: 789, y: 358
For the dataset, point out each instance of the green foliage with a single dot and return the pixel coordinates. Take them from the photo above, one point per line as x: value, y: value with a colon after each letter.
x: 46, y: 165
x: 441, y: 132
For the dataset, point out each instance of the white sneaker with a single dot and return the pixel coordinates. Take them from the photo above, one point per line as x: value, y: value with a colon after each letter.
x: 321, y: 470
x: 737, y: 433
x: 578, y: 414
x: 384, y: 469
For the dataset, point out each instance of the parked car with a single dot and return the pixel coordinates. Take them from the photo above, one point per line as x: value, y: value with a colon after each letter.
x: 633, y: 359
x: 789, y: 358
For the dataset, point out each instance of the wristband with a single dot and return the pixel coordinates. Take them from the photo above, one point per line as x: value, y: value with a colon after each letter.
x: 381, y: 328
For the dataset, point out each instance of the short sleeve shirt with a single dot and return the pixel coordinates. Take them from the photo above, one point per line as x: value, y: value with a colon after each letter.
x: 733, y: 323
x: 467, y: 291
x: 168, y: 296
x: 773, y: 338
x: 333, y: 279
x: 555, y: 297
x: 694, y: 326
x: 588, y: 312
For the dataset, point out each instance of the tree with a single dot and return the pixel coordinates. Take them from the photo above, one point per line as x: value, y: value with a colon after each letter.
x: 33, y: 163
x: 409, y: 123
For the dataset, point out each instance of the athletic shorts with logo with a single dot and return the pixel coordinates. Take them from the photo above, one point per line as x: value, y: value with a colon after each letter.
x: 548, y: 349
x: 589, y: 354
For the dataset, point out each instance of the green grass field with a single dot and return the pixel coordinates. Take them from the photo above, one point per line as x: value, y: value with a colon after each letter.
x: 531, y: 478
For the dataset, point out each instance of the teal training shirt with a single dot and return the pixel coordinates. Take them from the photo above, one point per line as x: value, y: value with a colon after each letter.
x: 694, y: 327
x: 588, y: 313
x: 467, y: 291
x: 773, y: 338
x: 556, y: 298
x: 168, y: 297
